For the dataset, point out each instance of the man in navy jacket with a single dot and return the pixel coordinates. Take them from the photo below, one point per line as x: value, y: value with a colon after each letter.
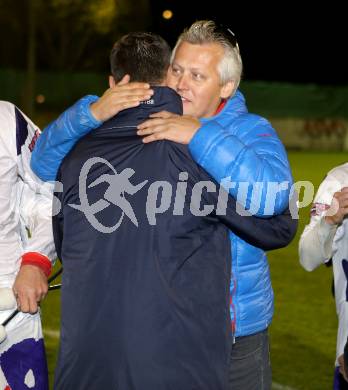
x: 146, y: 254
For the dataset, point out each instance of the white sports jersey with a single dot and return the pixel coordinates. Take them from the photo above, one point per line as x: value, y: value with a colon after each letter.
x: 25, y: 203
x: 320, y: 242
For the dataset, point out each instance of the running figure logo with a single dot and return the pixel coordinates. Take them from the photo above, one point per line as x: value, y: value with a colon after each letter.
x: 119, y: 185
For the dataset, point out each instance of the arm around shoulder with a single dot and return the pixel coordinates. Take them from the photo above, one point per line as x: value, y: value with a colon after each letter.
x: 249, y: 153
x: 60, y: 136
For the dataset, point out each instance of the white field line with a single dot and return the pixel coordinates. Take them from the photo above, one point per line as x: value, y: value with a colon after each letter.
x: 53, y: 333
x: 279, y: 386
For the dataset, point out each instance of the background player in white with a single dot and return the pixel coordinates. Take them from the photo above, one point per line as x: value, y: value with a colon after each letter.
x: 325, y: 238
x: 26, y: 252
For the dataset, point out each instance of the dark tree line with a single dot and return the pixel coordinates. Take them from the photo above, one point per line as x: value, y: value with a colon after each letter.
x: 64, y: 35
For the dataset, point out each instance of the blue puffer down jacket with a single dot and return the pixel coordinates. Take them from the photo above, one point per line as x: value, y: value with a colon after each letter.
x: 245, y: 148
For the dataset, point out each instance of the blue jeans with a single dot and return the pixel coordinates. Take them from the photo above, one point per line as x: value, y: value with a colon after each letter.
x: 250, y: 364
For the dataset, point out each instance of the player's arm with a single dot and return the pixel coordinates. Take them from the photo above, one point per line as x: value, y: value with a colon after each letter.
x: 329, y: 209
x: 34, y: 207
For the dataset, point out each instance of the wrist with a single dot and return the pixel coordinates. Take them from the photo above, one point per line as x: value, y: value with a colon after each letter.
x: 84, y: 108
x: 38, y: 260
x: 93, y: 108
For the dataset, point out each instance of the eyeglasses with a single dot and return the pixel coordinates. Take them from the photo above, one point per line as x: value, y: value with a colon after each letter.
x: 227, y: 33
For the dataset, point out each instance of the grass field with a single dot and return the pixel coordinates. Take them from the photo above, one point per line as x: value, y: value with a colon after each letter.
x: 303, y: 333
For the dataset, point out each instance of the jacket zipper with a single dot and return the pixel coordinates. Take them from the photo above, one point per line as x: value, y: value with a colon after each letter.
x: 233, y: 309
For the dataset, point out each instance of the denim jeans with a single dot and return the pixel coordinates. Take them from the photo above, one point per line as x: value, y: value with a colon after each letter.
x: 250, y: 364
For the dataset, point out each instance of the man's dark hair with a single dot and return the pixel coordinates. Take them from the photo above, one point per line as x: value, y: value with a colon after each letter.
x: 144, y: 56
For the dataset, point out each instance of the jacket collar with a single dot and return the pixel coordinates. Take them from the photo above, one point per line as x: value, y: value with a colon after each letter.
x: 234, y: 107
x: 163, y: 99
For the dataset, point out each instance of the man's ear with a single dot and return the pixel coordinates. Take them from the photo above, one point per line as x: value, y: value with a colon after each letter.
x: 227, y: 89
x: 111, y: 81
x: 163, y: 82
x: 169, y: 70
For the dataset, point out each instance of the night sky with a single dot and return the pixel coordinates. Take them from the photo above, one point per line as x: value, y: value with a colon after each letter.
x: 301, y: 43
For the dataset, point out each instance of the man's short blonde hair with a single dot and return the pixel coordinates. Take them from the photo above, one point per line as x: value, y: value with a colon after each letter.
x: 206, y: 31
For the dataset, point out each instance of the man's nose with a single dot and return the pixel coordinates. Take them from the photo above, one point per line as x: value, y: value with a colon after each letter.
x: 182, y: 82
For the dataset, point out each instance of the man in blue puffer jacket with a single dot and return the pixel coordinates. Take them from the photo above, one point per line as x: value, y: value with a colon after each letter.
x: 226, y: 142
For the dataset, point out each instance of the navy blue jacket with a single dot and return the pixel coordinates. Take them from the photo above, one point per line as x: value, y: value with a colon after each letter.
x: 146, y: 306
